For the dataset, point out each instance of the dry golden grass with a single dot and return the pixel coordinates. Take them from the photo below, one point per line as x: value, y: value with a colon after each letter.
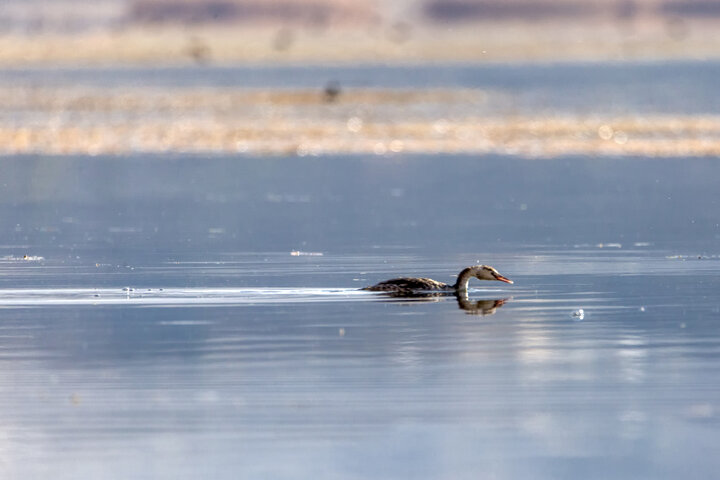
x: 491, y: 41
x: 564, y: 136
x: 122, y: 121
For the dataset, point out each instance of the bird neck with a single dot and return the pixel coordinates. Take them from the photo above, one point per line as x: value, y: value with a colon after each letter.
x: 463, y: 278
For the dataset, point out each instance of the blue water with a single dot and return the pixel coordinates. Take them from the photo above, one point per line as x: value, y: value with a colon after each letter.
x: 129, y: 209
x: 162, y: 327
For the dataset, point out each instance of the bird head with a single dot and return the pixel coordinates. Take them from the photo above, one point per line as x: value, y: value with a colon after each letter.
x: 486, y: 272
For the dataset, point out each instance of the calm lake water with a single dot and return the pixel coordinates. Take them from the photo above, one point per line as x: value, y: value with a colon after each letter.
x: 161, y: 326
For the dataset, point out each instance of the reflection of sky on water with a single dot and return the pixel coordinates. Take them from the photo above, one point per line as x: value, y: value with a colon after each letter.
x: 451, y: 392
x: 292, y: 376
x: 118, y: 211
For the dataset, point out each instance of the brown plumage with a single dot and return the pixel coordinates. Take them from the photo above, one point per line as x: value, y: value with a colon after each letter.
x: 413, y: 284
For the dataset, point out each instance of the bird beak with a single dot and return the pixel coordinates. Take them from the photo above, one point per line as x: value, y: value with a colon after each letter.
x: 503, y: 279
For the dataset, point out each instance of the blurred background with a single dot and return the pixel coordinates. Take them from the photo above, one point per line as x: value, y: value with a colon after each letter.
x: 227, y: 30
x: 541, y: 78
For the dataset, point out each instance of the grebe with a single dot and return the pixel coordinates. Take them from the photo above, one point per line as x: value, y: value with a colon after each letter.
x: 409, y: 285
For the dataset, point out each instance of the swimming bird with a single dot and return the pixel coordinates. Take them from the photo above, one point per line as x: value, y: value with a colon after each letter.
x: 409, y: 285
x: 331, y: 91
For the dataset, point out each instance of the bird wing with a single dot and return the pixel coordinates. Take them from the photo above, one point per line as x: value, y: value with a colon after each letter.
x: 408, y: 283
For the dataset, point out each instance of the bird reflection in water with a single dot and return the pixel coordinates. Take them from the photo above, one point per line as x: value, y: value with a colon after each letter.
x: 471, y: 307
x: 480, y: 307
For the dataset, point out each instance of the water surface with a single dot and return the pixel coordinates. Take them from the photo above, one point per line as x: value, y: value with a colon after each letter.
x: 184, y: 317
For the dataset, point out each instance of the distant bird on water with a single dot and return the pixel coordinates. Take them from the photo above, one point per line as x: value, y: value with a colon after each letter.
x: 410, y: 285
x: 331, y: 91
